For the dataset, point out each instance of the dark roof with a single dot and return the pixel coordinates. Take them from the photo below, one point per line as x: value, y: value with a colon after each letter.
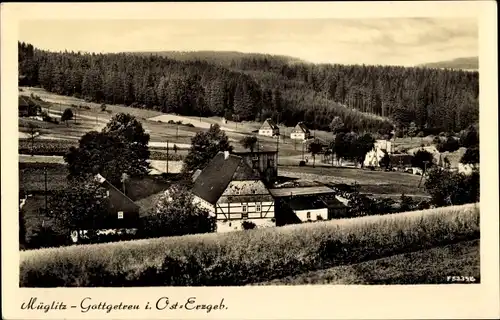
x: 217, y: 175
x: 23, y: 102
x: 332, y: 202
x: 306, y: 203
x: 271, y: 123
x: 121, y: 202
x: 300, y: 127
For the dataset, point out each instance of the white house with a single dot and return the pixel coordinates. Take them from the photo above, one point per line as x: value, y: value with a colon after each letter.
x: 308, y: 208
x: 300, y: 132
x: 233, y: 192
x: 269, y: 128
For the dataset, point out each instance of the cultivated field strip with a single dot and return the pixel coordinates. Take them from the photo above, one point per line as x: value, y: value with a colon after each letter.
x: 245, y: 257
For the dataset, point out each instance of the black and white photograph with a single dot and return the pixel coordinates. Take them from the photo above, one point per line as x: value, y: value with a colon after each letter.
x: 248, y: 152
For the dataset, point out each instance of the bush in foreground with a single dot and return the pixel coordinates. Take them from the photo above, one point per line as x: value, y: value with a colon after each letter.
x: 245, y: 257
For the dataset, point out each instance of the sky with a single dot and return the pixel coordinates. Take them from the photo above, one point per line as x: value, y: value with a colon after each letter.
x: 388, y: 41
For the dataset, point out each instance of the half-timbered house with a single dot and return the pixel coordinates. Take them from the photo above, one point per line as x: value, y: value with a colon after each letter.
x: 233, y: 192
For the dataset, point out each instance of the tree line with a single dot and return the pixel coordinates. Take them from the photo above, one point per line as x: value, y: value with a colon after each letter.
x: 273, y: 88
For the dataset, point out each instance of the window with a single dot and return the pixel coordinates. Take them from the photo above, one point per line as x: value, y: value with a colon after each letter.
x: 120, y: 214
x: 308, y: 215
x: 258, y: 207
x: 244, y: 215
x: 244, y: 207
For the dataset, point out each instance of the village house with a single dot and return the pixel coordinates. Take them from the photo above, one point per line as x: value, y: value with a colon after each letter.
x: 380, y: 149
x: 300, y: 132
x: 233, y: 192
x: 269, y: 128
x: 27, y: 108
x: 122, y: 215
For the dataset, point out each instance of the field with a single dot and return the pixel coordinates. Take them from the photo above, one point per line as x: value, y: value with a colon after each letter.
x: 377, y: 183
x: 247, y: 257
x: 424, y: 266
x: 92, y: 118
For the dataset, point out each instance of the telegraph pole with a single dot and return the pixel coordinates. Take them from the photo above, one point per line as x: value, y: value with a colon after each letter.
x: 167, y: 158
x: 277, y: 149
x: 425, y: 169
x: 45, y: 174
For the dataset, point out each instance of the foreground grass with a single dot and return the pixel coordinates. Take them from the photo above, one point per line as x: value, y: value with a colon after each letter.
x: 245, y: 257
x: 430, y: 266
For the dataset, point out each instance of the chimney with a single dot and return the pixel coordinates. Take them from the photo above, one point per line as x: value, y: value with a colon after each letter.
x: 226, y: 155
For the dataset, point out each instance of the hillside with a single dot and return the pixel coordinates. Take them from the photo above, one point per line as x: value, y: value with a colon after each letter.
x: 468, y: 63
x: 255, y: 87
x: 224, y: 58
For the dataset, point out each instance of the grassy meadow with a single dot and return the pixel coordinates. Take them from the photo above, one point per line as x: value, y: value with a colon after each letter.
x: 425, y: 266
x: 247, y: 257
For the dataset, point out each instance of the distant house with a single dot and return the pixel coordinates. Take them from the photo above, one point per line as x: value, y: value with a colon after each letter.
x: 265, y: 162
x: 269, y: 128
x: 27, y: 107
x: 300, y: 132
x: 233, y: 192
x: 122, y: 215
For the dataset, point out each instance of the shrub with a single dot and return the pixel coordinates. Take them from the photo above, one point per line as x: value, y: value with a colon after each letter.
x: 302, y: 163
x: 248, y: 225
x: 239, y: 258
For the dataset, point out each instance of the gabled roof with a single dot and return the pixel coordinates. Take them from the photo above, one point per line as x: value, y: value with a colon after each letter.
x: 269, y: 123
x: 217, y: 175
x: 123, y: 202
x: 300, y: 127
x: 23, y: 102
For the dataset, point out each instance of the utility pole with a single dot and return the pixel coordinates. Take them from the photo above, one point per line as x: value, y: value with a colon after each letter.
x: 46, y: 205
x: 277, y: 149
x: 176, y: 134
x: 425, y: 169
x: 167, y: 159
x: 303, y: 142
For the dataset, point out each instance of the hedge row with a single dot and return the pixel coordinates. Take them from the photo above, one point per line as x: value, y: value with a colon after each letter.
x: 246, y: 257
x: 61, y: 147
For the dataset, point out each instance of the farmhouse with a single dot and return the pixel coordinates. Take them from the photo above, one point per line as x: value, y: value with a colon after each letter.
x: 269, y: 128
x: 233, y: 192
x: 300, y: 132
